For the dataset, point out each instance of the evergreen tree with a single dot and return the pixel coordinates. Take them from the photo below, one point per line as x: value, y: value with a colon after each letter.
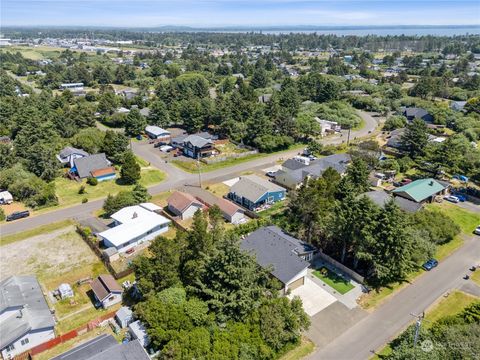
x: 134, y: 123
x: 130, y: 171
x: 415, y: 138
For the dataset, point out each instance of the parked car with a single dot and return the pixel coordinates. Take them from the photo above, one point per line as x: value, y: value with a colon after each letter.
x: 460, y: 177
x: 18, y: 215
x: 130, y: 251
x: 460, y: 197
x: 477, y: 230
x: 452, y: 198
x: 430, y: 264
x: 271, y: 174
x: 166, y: 148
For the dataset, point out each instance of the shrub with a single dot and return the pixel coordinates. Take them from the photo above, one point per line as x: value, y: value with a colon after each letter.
x: 92, y: 181
x: 2, y: 214
x: 84, y: 200
x: 82, y: 189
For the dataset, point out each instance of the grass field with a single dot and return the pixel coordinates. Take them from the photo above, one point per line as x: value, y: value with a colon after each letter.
x: 467, y: 220
x: 67, y: 190
x: 218, y: 189
x: 4, y: 240
x: 303, y: 349
x: 476, y: 276
x: 333, y: 280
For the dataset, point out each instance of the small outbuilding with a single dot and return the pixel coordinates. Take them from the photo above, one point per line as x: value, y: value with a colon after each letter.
x: 65, y: 291
x: 138, y: 332
x: 124, y: 317
x: 157, y: 133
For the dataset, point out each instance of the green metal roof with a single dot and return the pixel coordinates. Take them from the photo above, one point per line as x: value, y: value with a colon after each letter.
x: 420, y: 190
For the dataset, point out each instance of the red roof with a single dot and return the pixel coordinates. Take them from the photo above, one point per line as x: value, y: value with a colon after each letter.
x: 105, y: 285
x: 227, y: 207
x: 101, y: 172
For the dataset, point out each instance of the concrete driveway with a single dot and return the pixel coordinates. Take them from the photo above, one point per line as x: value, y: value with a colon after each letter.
x: 314, y: 298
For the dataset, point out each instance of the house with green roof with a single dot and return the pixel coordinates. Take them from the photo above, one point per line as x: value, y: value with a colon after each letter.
x: 423, y: 190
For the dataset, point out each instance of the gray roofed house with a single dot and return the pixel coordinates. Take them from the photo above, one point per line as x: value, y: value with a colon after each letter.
x: 69, y: 154
x: 380, y: 198
x: 395, y: 138
x: 25, y: 318
x: 413, y: 112
x: 86, y: 165
x: 285, y: 255
x: 252, y: 192
x: 293, y: 164
x: 105, y: 347
x: 292, y: 179
x: 197, y: 146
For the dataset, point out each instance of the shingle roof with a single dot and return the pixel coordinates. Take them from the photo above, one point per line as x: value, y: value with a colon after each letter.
x: 419, y: 190
x: 181, y: 201
x: 87, y: 164
x: 67, y: 151
x: 227, y: 207
x: 22, y: 292
x: 197, y: 141
x: 105, y: 285
x: 273, y: 247
x: 380, y: 198
x: 253, y: 187
x: 105, y: 347
x: 293, y: 164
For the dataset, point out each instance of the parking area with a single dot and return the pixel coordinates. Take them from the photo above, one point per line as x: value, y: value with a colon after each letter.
x: 314, y: 298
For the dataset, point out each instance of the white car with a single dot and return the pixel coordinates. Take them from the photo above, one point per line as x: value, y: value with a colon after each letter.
x: 452, y: 198
x: 166, y: 148
x: 477, y: 230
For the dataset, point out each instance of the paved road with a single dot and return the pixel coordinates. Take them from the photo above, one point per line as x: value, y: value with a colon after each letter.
x: 176, y: 178
x: 389, y: 319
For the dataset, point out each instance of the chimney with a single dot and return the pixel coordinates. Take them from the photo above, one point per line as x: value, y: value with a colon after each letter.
x: 431, y: 183
x: 135, y: 215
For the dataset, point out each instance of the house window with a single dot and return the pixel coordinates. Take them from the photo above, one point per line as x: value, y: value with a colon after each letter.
x: 10, y: 348
x: 25, y: 341
x: 270, y: 200
x: 111, y: 298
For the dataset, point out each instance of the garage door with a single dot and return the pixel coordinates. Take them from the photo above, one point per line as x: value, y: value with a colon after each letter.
x: 296, y: 283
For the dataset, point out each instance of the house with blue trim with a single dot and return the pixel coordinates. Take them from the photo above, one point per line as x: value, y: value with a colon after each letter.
x: 255, y: 193
x: 96, y: 166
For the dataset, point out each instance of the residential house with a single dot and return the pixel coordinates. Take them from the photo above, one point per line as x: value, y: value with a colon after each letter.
x: 253, y: 192
x: 157, y: 133
x: 287, y: 257
x: 292, y: 179
x: 124, y: 317
x: 138, y: 332
x: 421, y: 191
x: 183, y: 204
x: 394, y: 139
x: 96, y: 166
x: 295, y: 163
x: 196, y: 146
x: 25, y: 318
x: 231, y: 212
x: 72, y: 86
x: 413, y: 112
x: 69, y: 154
x: 328, y: 127
x: 380, y: 198
x: 134, y: 225
x: 105, y: 347
x: 106, y: 290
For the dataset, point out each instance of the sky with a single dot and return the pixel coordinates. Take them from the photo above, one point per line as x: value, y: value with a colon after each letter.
x: 205, y: 13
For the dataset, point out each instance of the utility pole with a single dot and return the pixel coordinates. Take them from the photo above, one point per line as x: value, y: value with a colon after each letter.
x: 348, y: 136
x: 199, y: 171
x: 418, y: 325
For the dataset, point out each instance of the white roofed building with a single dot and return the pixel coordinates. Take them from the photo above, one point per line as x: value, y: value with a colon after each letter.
x: 134, y: 225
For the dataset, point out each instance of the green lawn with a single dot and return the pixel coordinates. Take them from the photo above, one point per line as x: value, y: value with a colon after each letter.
x: 192, y: 167
x: 335, y: 281
x: 4, y: 240
x: 276, y: 208
x: 467, y: 220
x: 476, y: 276
x: 303, y: 349
x: 67, y: 190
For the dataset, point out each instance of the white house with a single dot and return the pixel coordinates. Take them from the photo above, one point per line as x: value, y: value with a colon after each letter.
x: 327, y: 126
x: 134, y: 225
x: 6, y: 197
x: 138, y: 332
x: 107, y: 291
x: 69, y: 154
x: 183, y: 204
x: 25, y: 319
x: 231, y: 212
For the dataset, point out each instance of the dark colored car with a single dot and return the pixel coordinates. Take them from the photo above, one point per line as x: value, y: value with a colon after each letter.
x: 18, y: 215
x: 430, y: 264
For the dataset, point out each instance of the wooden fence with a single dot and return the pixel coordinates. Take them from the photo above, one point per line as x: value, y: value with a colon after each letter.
x: 355, y: 276
x: 90, y: 326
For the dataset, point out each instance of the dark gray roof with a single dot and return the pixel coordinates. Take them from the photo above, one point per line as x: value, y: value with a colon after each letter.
x: 67, y: 151
x: 414, y: 112
x: 105, y: 347
x: 273, y: 247
x: 90, y: 163
x: 380, y: 198
x: 253, y: 187
x: 197, y: 141
x: 22, y: 297
x: 395, y: 138
x: 124, y: 313
x: 293, y: 164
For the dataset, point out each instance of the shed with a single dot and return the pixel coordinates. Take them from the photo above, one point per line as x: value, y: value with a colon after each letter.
x: 155, y: 132
x: 65, y: 291
x: 124, y: 317
x: 138, y: 332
